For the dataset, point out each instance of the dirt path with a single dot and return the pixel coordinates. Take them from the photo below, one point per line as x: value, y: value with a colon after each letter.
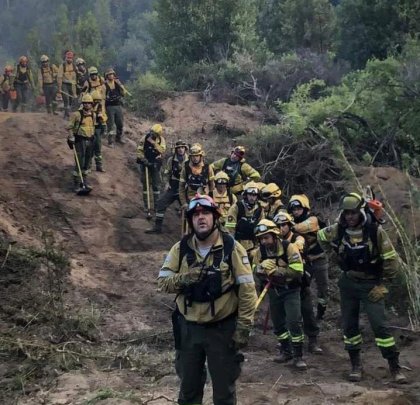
x: 114, y: 266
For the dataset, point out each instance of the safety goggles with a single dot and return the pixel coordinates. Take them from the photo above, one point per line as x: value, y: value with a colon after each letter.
x: 266, y: 194
x: 262, y: 228
x: 295, y: 204
x: 253, y: 191
x: 200, y: 202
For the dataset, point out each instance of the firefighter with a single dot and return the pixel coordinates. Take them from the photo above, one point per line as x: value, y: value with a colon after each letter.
x: 149, y: 157
x: 279, y: 263
x: 81, y: 137
x: 114, y: 92
x: 215, y: 304
x: 307, y: 225
x: 368, y: 262
x: 237, y: 169
x: 82, y: 75
x: 310, y: 325
x: 196, y: 176
x: 67, y: 81
x: 100, y: 129
x: 244, y: 216
x: 7, y: 87
x: 47, y: 82
x: 222, y: 195
x: 172, y: 172
x: 23, y: 84
x: 271, y: 194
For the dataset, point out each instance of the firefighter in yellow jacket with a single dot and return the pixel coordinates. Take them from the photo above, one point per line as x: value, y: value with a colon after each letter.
x: 244, y: 216
x: 368, y: 262
x: 67, y: 81
x: 100, y: 129
x: 23, y: 84
x: 81, y: 136
x: 47, y: 83
x: 7, y: 87
x: 150, y: 157
x: 271, y: 194
x: 222, y: 195
x: 237, y: 169
x: 215, y: 298
x: 307, y: 225
x: 279, y: 263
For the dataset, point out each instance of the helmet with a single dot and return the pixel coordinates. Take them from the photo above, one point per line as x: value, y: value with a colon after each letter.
x: 93, y: 70
x: 109, y: 72
x: 271, y: 190
x: 23, y: 59
x: 298, y: 200
x: 202, y: 201
x: 352, y: 201
x: 80, y: 61
x: 266, y: 226
x: 87, y: 98
x: 8, y: 69
x: 221, y: 178
x: 69, y: 54
x: 251, y: 188
x: 96, y: 95
x: 196, y: 150
x: 157, y: 129
x: 283, y: 218
x: 181, y: 144
x: 44, y: 58
x: 239, y: 151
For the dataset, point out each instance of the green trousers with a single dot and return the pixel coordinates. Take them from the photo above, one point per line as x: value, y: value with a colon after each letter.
x: 211, y: 342
x: 354, y: 295
x: 115, y: 119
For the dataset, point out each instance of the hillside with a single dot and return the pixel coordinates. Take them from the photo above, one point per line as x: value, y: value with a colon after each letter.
x: 126, y: 357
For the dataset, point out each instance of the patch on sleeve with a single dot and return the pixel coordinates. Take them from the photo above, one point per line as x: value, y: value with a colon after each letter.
x: 245, y: 259
x: 230, y: 218
x: 167, y: 261
x: 295, y: 257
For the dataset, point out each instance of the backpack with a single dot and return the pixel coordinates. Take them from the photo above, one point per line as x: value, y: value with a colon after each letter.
x: 195, y: 181
x: 245, y: 226
x: 210, y: 287
x: 81, y: 121
x: 232, y: 174
x: 230, y: 196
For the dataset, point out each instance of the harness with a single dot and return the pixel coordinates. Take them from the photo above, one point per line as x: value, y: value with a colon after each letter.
x: 113, y: 96
x: 22, y: 77
x: 78, y: 137
x: 209, y: 288
x: 232, y: 169
x: 245, y: 225
x: 358, y: 256
x: 196, y: 181
x: 150, y: 153
x: 51, y: 72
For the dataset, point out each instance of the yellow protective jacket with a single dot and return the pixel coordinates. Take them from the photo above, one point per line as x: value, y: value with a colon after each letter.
x: 386, y: 253
x: 91, y: 85
x: 203, y: 172
x: 47, y: 75
x: 308, y: 229
x: 6, y: 83
x: 250, y: 218
x: 224, y: 201
x: 82, y: 124
x: 245, y: 173
x: 289, y: 264
x: 241, y: 299
x: 67, y: 73
x: 151, y: 152
x: 298, y: 240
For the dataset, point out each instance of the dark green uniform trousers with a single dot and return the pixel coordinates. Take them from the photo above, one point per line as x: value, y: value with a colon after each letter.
x: 50, y: 92
x: 353, y: 294
x: 211, y: 342
x: 84, y: 150
x: 310, y: 324
x: 166, y: 199
x: 115, y: 118
x: 286, y: 314
x: 319, y: 273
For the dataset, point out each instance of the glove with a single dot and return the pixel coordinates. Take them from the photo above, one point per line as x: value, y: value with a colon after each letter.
x: 377, y: 293
x: 70, y: 142
x: 240, y: 337
x: 269, y: 266
x: 193, y: 275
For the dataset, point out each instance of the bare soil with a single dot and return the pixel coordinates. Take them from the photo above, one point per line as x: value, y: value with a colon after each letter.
x: 113, y: 269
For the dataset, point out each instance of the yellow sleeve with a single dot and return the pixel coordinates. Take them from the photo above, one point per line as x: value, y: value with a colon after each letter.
x: 182, y: 184
x: 247, y: 296
x: 74, y: 122
x: 391, y: 265
x: 169, y: 277
x: 231, y: 219
x: 307, y: 226
x: 211, y: 177
x: 161, y: 148
x: 250, y: 172
x: 300, y: 243
x: 140, y: 148
x: 218, y: 165
x: 327, y: 235
x: 295, y: 265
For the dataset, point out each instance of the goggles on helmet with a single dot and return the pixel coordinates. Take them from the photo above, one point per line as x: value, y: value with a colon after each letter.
x: 252, y: 190
x: 263, y: 228
x: 295, y: 204
x: 200, y: 202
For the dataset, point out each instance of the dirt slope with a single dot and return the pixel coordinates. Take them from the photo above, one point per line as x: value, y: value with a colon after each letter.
x: 114, y: 266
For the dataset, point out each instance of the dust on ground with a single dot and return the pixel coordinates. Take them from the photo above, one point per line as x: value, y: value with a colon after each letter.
x: 113, y: 267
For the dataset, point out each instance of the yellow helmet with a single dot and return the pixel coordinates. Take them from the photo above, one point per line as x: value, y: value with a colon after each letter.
x: 80, y: 61
x: 109, y: 72
x: 352, y: 201
x: 93, y: 70
x: 221, y: 178
x: 251, y: 188
x: 44, y: 58
x: 298, y: 200
x: 271, y: 190
x: 239, y: 151
x: 157, y: 129
x: 87, y: 98
x: 266, y: 226
x: 96, y: 95
x: 196, y: 150
x: 283, y: 218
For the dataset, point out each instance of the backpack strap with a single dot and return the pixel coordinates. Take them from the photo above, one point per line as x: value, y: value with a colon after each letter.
x: 241, y: 210
x: 184, y: 249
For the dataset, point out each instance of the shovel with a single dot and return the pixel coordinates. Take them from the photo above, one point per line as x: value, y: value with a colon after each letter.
x: 262, y: 295
x: 149, y: 214
x: 84, y: 190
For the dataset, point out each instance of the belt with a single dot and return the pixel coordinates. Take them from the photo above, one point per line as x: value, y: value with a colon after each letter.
x: 215, y: 324
x: 359, y: 276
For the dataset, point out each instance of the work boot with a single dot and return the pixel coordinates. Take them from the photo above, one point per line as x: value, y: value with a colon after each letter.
x: 66, y: 113
x: 313, y: 346
x: 157, y: 228
x: 298, y: 361
x: 99, y: 168
x: 355, y: 374
x: 86, y: 184
x: 76, y: 184
x: 285, y: 349
x: 54, y: 109
x: 48, y: 109
x: 395, y: 369
x: 120, y: 140
x: 320, y: 311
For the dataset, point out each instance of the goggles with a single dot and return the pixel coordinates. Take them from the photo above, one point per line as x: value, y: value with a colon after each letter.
x: 222, y: 181
x: 295, y: 204
x: 200, y: 203
x: 263, y: 228
x: 253, y: 191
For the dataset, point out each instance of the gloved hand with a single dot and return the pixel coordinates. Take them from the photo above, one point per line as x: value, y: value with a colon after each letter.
x: 142, y: 161
x: 269, y: 266
x: 70, y: 142
x: 193, y: 275
x: 185, y: 206
x: 240, y: 337
x: 377, y: 293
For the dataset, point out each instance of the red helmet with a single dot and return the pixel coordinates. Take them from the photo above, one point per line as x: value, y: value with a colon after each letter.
x: 239, y: 151
x: 202, y: 202
x: 69, y: 54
